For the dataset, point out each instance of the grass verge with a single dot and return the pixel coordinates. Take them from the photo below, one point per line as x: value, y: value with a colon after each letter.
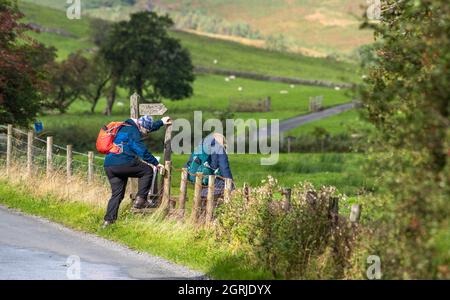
x: 173, y: 240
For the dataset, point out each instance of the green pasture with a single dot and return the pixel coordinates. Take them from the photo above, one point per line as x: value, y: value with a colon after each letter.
x: 204, y: 50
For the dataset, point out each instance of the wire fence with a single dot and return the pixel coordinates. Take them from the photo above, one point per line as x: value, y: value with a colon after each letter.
x: 20, y: 149
x: 42, y: 155
x: 39, y: 154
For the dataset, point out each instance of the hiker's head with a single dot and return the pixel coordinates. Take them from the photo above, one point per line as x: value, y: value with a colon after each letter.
x: 220, y: 138
x: 220, y: 145
x: 145, y: 124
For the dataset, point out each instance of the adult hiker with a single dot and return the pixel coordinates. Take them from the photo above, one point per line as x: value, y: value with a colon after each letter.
x: 129, y: 158
x: 210, y: 158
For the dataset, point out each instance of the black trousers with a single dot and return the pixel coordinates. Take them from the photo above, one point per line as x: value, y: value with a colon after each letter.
x: 118, y: 178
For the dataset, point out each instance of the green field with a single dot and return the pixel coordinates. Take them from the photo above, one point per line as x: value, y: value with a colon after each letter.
x: 343, y: 123
x: 314, y: 27
x: 213, y: 93
x: 204, y: 50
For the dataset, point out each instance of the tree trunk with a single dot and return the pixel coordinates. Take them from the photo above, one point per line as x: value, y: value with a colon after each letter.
x: 111, y: 98
x: 98, y: 93
x: 139, y: 88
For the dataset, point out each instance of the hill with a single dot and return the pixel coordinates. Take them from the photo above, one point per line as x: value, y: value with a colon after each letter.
x: 315, y: 28
x: 212, y: 93
x: 205, y: 51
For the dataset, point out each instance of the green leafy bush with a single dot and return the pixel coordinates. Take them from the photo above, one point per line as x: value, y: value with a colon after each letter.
x: 300, y: 240
x: 406, y: 93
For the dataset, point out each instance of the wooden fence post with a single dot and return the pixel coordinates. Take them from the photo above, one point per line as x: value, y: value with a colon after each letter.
x: 183, y: 192
x: 90, y: 167
x: 196, y: 207
x: 166, y: 188
x: 30, y: 153
x: 134, y: 114
x: 167, y: 155
x: 246, y: 193
x: 69, y: 159
x: 210, y: 201
x: 355, y: 213
x: 167, y: 144
x: 227, y: 190
x: 289, y: 140
x: 333, y: 208
x: 9, y: 149
x: 287, y: 193
x: 49, y: 156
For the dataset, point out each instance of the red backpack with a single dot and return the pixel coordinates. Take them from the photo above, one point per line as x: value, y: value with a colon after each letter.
x: 105, y: 140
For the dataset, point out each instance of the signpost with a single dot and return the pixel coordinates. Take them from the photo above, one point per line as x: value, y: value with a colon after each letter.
x: 157, y: 109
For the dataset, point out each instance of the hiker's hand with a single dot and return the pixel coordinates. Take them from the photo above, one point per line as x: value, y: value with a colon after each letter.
x: 166, y: 121
x: 161, y: 169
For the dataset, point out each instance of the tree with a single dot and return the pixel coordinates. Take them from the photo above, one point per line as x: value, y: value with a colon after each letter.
x: 101, y: 72
x: 99, y: 30
x: 277, y: 42
x: 98, y: 75
x: 23, y: 68
x: 145, y: 59
x: 69, y: 82
x: 407, y: 98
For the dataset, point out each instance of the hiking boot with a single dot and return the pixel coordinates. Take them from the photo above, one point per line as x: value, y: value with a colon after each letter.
x: 107, y: 224
x: 141, y: 203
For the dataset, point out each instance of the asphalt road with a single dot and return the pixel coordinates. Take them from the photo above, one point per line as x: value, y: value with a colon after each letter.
x: 304, y: 119
x: 33, y: 248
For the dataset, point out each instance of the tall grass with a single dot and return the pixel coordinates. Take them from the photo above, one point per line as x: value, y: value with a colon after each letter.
x: 216, y: 250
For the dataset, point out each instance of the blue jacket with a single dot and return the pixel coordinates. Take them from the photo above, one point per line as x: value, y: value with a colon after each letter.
x: 219, y: 160
x: 133, y: 146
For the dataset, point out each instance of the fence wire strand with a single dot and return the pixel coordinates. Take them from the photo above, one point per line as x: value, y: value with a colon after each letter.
x: 79, y: 166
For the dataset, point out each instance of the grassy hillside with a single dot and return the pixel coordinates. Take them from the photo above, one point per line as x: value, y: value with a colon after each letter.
x: 204, y: 51
x: 318, y: 28
x: 325, y: 26
x: 211, y: 93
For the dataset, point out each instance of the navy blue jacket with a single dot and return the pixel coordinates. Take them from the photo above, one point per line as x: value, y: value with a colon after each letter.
x: 219, y: 160
x: 130, y: 138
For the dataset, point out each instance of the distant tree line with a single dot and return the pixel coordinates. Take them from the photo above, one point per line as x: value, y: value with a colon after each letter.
x: 198, y: 20
x: 107, y: 3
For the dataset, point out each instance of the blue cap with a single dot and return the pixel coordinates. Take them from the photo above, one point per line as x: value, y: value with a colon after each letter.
x: 146, y: 122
